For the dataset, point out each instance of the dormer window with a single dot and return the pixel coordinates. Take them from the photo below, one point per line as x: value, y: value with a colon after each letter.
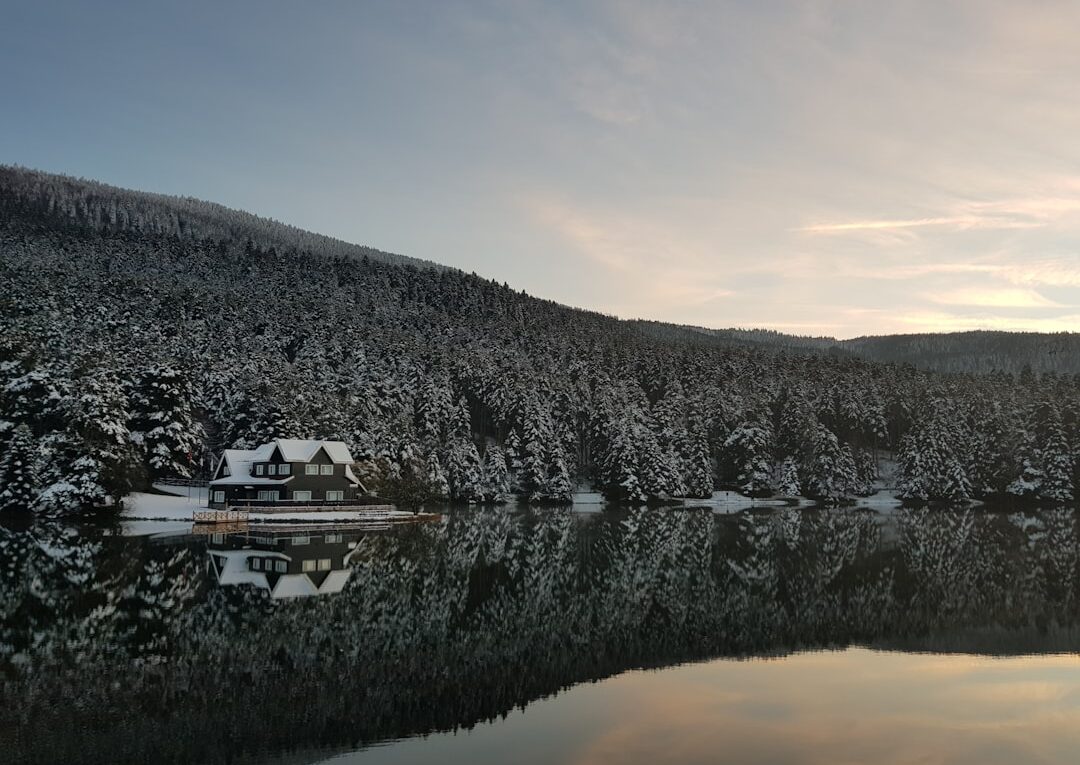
x: 271, y: 469
x: 259, y: 469
x: 284, y: 468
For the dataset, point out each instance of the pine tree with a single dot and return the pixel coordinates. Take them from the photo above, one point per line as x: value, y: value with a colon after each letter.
x: 747, y: 450
x: 496, y: 475
x: 18, y: 492
x: 163, y: 422
x: 831, y: 475
x: 463, y: 471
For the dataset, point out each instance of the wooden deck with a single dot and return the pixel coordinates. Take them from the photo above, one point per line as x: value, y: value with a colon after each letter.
x: 372, y: 510
x: 239, y: 516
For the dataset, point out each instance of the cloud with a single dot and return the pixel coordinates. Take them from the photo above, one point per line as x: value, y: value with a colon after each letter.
x: 939, y: 321
x: 992, y: 298
x: 960, y: 222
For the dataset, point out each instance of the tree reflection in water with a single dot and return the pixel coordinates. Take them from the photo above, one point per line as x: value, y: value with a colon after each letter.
x: 128, y: 650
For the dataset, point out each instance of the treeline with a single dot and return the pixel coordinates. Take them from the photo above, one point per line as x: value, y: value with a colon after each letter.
x: 130, y: 354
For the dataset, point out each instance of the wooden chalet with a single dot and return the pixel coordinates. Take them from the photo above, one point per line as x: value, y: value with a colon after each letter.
x: 286, y: 472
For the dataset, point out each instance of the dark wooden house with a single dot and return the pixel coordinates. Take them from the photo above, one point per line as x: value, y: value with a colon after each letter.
x: 286, y: 472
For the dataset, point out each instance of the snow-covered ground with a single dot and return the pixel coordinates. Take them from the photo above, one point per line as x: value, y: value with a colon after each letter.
x: 733, y: 502
x: 172, y: 511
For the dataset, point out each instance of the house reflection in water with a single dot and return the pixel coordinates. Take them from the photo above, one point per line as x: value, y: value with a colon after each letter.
x: 294, y: 563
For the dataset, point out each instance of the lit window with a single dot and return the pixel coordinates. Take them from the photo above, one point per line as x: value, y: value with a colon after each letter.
x: 335, y: 496
x: 326, y: 469
x: 259, y: 469
x: 310, y: 469
x: 280, y: 567
x: 324, y: 564
x: 308, y: 565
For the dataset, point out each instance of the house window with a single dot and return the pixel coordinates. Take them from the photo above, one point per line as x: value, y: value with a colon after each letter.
x: 217, y: 539
x: 310, y: 469
x: 268, y: 496
x: 271, y: 469
x: 259, y: 469
x: 326, y: 469
x: 225, y: 471
x: 256, y: 564
x: 284, y: 468
x: 301, y: 540
x: 324, y: 564
x: 335, y: 496
x: 302, y: 496
x: 331, y: 538
x: 308, y: 565
x: 280, y: 566
x: 219, y: 496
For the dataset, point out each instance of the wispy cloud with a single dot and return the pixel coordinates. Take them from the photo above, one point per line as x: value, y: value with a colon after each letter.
x: 962, y: 222
x: 992, y: 298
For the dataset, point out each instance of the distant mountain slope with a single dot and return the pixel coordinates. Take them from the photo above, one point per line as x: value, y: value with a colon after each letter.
x: 978, y: 352
x: 80, y: 202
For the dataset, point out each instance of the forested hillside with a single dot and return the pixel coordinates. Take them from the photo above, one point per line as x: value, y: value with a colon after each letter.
x: 141, y: 333
x: 981, y: 351
x: 976, y: 351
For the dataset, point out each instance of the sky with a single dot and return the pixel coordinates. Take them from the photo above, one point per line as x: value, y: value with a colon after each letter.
x: 828, y: 168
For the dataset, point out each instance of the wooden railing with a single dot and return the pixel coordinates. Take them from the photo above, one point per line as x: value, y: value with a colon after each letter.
x: 331, y: 507
x: 231, y: 515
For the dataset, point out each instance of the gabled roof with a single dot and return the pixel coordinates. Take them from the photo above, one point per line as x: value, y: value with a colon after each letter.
x: 299, y: 450
x: 291, y: 450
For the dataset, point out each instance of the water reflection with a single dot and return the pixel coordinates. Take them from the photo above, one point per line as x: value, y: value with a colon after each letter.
x: 286, y: 563
x: 176, y: 656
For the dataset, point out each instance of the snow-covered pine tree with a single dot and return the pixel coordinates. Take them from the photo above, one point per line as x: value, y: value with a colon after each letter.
x: 747, y: 451
x: 831, y: 475
x: 163, y: 422
x: 464, y: 474
x: 496, y: 475
x: 18, y: 489
x: 697, y: 464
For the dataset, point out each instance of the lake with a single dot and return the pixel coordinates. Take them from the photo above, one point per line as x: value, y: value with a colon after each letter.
x: 549, y: 636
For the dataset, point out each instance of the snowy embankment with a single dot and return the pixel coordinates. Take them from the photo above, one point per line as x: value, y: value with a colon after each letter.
x: 728, y: 502
x: 172, y: 511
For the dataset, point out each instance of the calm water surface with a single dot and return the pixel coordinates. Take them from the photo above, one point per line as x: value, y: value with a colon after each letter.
x: 789, y: 636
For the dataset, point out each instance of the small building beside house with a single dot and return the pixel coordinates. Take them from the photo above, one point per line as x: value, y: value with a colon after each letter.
x: 286, y: 471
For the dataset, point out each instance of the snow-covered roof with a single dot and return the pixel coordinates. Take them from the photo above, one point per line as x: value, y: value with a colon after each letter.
x: 299, y: 450
x: 291, y: 449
